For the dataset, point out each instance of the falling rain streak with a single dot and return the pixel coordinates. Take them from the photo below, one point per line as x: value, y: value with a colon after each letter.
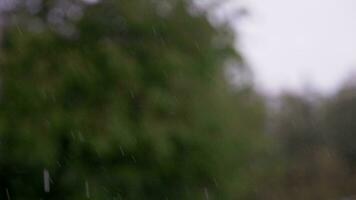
x: 87, y: 192
x: 46, y: 180
x: 206, y: 192
x: 7, y: 194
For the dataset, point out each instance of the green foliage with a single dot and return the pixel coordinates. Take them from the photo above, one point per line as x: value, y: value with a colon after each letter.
x: 316, y: 144
x: 339, y: 124
x: 131, y: 103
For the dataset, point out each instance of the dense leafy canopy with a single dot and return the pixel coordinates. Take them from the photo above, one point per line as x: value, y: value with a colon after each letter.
x: 122, y: 100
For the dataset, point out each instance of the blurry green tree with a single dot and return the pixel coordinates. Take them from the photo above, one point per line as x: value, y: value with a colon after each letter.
x: 122, y: 100
x: 339, y: 124
x: 316, y: 137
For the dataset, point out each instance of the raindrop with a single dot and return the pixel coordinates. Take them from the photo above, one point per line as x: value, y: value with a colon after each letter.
x: 122, y: 151
x: 87, y: 192
x: 72, y: 134
x: 80, y: 135
x: 53, y: 98
x: 206, y: 193
x: 7, y: 194
x: 19, y: 29
x: 215, y: 182
x: 91, y: 1
x: 46, y: 180
x: 133, y: 158
x: 197, y: 45
x: 132, y: 94
x: 154, y: 30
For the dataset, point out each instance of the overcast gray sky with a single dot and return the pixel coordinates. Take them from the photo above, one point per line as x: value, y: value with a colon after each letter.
x: 292, y: 44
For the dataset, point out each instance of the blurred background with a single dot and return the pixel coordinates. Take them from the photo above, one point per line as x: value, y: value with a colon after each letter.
x: 177, y: 99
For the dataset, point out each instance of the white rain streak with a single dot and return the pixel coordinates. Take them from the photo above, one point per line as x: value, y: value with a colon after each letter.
x: 122, y: 151
x: 81, y: 138
x: 7, y: 194
x: 206, y: 192
x: 87, y: 192
x: 133, y: 158
x: 46, y: 180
